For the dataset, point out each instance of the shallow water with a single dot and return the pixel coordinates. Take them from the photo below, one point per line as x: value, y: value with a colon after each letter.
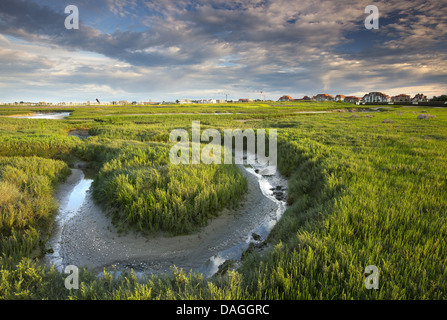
x: 76, y: 198
x: 267, y: 184
x: 49, y: 116
x: 67, y: 209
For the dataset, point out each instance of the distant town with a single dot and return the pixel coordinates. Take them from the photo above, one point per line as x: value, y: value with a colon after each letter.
x: 369, y: 98
x: 372, y: 97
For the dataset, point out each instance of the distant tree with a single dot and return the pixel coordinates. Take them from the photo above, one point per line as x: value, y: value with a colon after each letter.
x: 440, y: 98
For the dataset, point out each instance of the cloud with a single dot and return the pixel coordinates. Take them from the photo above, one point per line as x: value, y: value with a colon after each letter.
x: 277, y: 46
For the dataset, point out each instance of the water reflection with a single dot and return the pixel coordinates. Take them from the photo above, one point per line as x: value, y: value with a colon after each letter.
x: 50, y: 116
x: 66, y: 211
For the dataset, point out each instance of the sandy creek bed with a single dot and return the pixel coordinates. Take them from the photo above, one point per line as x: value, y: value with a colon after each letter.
x: 85, y: 237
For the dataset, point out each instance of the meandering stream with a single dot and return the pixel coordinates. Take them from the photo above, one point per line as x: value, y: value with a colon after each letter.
x: 84, y: 236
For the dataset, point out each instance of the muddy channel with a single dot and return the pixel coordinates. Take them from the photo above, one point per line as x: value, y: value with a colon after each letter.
x: 84, y: 236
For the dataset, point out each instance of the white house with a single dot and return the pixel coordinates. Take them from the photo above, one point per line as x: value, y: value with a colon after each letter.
x: 207, y: 101
x: 419, y: 98
x: 323, y: 97
x: 401, y: 98
x: 285, y: 98
x: 352, y: 99
x: 339, y: 97
x: 376, y: 97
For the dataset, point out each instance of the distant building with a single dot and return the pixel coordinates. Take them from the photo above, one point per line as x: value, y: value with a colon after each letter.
x: 419, y: 98
x: 376, y: 97
x: 401, y: 98
x: 339, y: 97
x: 203, y: 101
x: 323, y: 97
x: 245, y: 100
x: 286, y: 98
x: 352, y: 99
x: 305, y: 98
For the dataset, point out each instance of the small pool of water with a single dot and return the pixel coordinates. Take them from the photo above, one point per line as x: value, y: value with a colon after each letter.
x: 49, y: 116
x: 66, y: 211
x: 77, y: 197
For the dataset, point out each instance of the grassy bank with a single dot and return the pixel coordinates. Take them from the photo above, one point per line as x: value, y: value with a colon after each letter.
x: 146, y: 191
x: 27, y: 206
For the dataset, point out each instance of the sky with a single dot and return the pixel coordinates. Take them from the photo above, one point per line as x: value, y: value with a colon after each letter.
x: 165, y: 50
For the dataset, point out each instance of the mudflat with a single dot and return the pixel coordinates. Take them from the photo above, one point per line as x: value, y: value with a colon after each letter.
x: 87, y: 238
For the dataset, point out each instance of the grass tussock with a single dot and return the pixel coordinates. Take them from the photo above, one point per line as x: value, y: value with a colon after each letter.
x: 26, y: 202
x: 152, y: 194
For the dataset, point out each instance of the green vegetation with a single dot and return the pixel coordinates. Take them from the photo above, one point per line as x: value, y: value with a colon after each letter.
x: 440, y: 98
x: 48, y: 146
x: 371, y: 195
x: 26, y: 202
x: 361, y: 192
x: 152, y: 194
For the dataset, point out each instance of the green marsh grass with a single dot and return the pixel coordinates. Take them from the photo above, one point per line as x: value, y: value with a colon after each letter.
x: 154, y: 195
x: 26, y: 202
x: 360, y: 192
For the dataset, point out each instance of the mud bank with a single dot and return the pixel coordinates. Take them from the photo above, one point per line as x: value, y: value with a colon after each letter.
x: 84, y: 236
x: 80, y: 133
